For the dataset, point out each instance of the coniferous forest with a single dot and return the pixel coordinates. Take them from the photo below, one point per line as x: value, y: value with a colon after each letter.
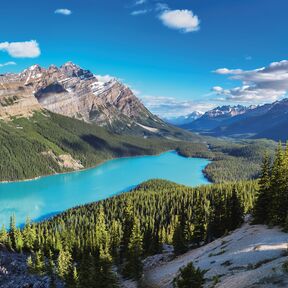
x: 81, y: 245
x: 272, y: 203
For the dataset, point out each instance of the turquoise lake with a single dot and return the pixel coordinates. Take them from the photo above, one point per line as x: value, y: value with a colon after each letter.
x: 52, y: 194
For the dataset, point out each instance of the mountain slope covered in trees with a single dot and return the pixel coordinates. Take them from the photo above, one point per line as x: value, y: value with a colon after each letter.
x: 39, y: 145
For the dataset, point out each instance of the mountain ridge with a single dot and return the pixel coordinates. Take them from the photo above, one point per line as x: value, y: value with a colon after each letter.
x: 74, y: 92
x: 263, y: 121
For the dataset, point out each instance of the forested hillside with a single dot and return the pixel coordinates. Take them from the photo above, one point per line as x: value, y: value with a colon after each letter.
x: 82, y: 243
x: 31, y: 147
x: 36, y: 146
x: 230, y: 157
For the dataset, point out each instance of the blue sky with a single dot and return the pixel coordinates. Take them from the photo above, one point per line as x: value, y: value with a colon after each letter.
x: 167, y: 53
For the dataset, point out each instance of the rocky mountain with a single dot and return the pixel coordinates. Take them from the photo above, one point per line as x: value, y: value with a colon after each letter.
x: 72, y: 91
x: 265, y: 121
x: 213, y: 118
x: 182, y: 120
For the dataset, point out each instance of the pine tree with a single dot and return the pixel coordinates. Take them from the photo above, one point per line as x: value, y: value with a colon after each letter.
x: 115, y: 239
x: 134, y: 267
x: 3, y: 235
x: 263, y: 203
x: 179, y: 242
x: 19, y: 243
x: 102, y: 236
x: 29, y: 235
x: 128, y: 222
x: 39, y: 262
x: 12, y: 231
x: 236, y: 215
x: 75, y: 283
x: 278, y: 187
x: 51, y: 269
x: 189, y: 277
x: 64, y: 264
x: 30, y: 264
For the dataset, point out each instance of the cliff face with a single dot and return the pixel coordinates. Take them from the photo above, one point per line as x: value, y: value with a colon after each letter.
x: 16, y: 99
x: 75, y: 92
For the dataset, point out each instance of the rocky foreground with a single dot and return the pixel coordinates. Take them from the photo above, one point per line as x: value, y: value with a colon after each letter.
x: 14, y: 273
x: 250, y: 257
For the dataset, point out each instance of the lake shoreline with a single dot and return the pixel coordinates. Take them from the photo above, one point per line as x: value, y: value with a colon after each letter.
x: 36, y: 199
x: 94, y: 166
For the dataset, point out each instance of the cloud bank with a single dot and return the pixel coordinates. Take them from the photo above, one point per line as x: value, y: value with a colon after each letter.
x: 28, y: 49
x: 167, y: 107
x: 260, y: 85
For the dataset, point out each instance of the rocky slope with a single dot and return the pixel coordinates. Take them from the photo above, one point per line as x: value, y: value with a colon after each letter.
x: 74, y: 92
x: 14, y: 272
x: 252, y: 256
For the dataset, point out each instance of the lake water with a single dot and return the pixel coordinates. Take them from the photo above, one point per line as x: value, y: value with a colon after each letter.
x: 52, y: 194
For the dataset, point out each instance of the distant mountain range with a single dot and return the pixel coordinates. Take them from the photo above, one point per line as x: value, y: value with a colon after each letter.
x: 264, y: 121
x: 72, y: 91
x: 182, y: 120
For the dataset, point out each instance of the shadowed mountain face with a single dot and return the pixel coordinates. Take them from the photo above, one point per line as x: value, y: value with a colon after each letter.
x: 265, y: 121
x: 74, y: 92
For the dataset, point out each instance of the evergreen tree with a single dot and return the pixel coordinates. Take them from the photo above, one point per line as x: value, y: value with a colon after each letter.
x: 29, y: 235
x: 179, y: 242
x: 278, y: 187
x: 64, y: 264
x: 39, y: 263
x: 236, y: 216
x: 128, y: 222
x: 13, y: 231
x: 19, y: 243
x: 30, y: 264
x: 134, y: 267
x: 263, y: 203
x: 102, y: 236
x: 3, y: 235
x: 115, y: 239
x: 189, y: 277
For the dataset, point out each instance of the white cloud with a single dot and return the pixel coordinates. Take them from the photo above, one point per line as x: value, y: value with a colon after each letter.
x: 161, y: 7
x: 225, y: 71
x: 7, y: 64
x: 167, y: 107
x: 140, y: 2
x: 28, y: 49
x: 260, y: 85
x: 139, y: 12
x: 63, y: 11
x: 104, y: 78
x: 183, y: 20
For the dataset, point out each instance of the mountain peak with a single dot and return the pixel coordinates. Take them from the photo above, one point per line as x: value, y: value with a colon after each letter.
x: 75, y: 92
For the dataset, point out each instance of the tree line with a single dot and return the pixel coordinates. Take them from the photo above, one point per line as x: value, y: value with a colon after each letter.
x: 81, y: 245
x: 271, y: 206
